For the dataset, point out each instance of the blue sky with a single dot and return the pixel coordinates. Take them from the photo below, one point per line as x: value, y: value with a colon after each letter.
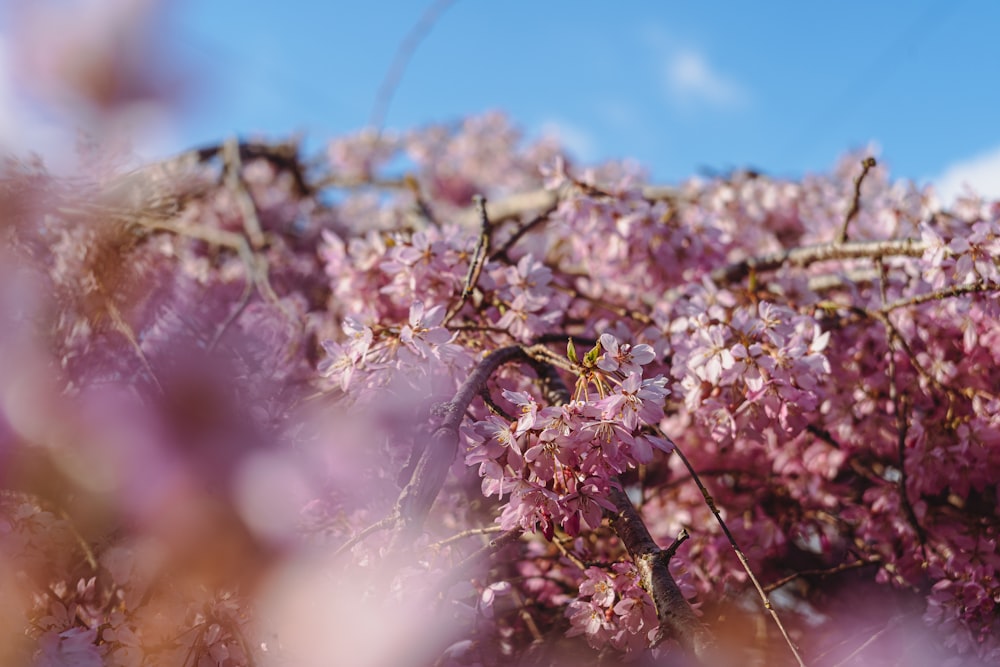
x: 784, y: 87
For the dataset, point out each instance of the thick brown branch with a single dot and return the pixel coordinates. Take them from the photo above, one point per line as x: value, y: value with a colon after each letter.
x: 415, y: 500
x: 677, y: 618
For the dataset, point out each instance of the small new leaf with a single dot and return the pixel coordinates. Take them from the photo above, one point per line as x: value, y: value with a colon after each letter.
x: 571, y: 352
x: 590, y: 360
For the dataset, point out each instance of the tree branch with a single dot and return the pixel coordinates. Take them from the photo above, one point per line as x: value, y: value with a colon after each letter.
x: 677, y: 618
x: 404, y: 52
x: 415, y: 500
x: 983, y: 287
x: 739, y: 552
x: 533, y: 201
x: 866, y: 165
x: 476, y: 262
x: 806, y: 255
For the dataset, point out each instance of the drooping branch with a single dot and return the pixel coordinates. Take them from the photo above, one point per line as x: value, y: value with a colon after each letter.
x: 900, y: 410
x: 431, y: 467
x: 710, y: 502
x: 429, y: 472
x: 404, y: 52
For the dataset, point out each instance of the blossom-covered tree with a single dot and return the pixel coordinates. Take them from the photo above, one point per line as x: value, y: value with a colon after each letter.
x: 445, y: 397
x: 259, y: 413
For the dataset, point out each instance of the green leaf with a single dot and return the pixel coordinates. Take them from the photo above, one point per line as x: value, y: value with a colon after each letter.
x: 571, y: 352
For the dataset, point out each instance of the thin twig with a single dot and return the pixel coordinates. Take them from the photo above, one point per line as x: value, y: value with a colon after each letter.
x: 825, y: 572
x: 465, y: 533
x: 868, y: 642
x: 568, y: 555
x: 542, y: 354
x: 235, y: 631
x: 88, y: 553
x: 537, y: 201
x: 125, y: 329
x: 203, y: 628
x: 848, y: 280
x: 493, y: 406
x: 497, y: 543
x: 420, y: 215
x: 553, y: 389
x: 362, y: 183
x: 256, y: 265
x: 824, y: 435
x: 250, y: 249
x: 739, y: 552
x: 233, y: 169
x: 399, y: 62
x: 678, y: 541
x: 482, y: 248
x: 382, y: 524
x: 501, y: 253
x: 911, y: 356
x: 476, y: 262
x: 490, y: 549
x: 899, y: 408
x: 620, y: 311
x: 984, y: 287
x: 529, y: 621
x: 866, y: 165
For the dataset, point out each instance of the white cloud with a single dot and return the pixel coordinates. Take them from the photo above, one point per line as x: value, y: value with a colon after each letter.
x: 574, y: 138
x: 691, y: 79
x: 980, y: 172
x: 685, y: 73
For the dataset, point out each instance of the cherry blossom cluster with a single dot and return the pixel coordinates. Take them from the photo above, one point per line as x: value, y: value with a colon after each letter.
x: 613, y: 609
x: 554, y: 464
x: 744, y: 367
